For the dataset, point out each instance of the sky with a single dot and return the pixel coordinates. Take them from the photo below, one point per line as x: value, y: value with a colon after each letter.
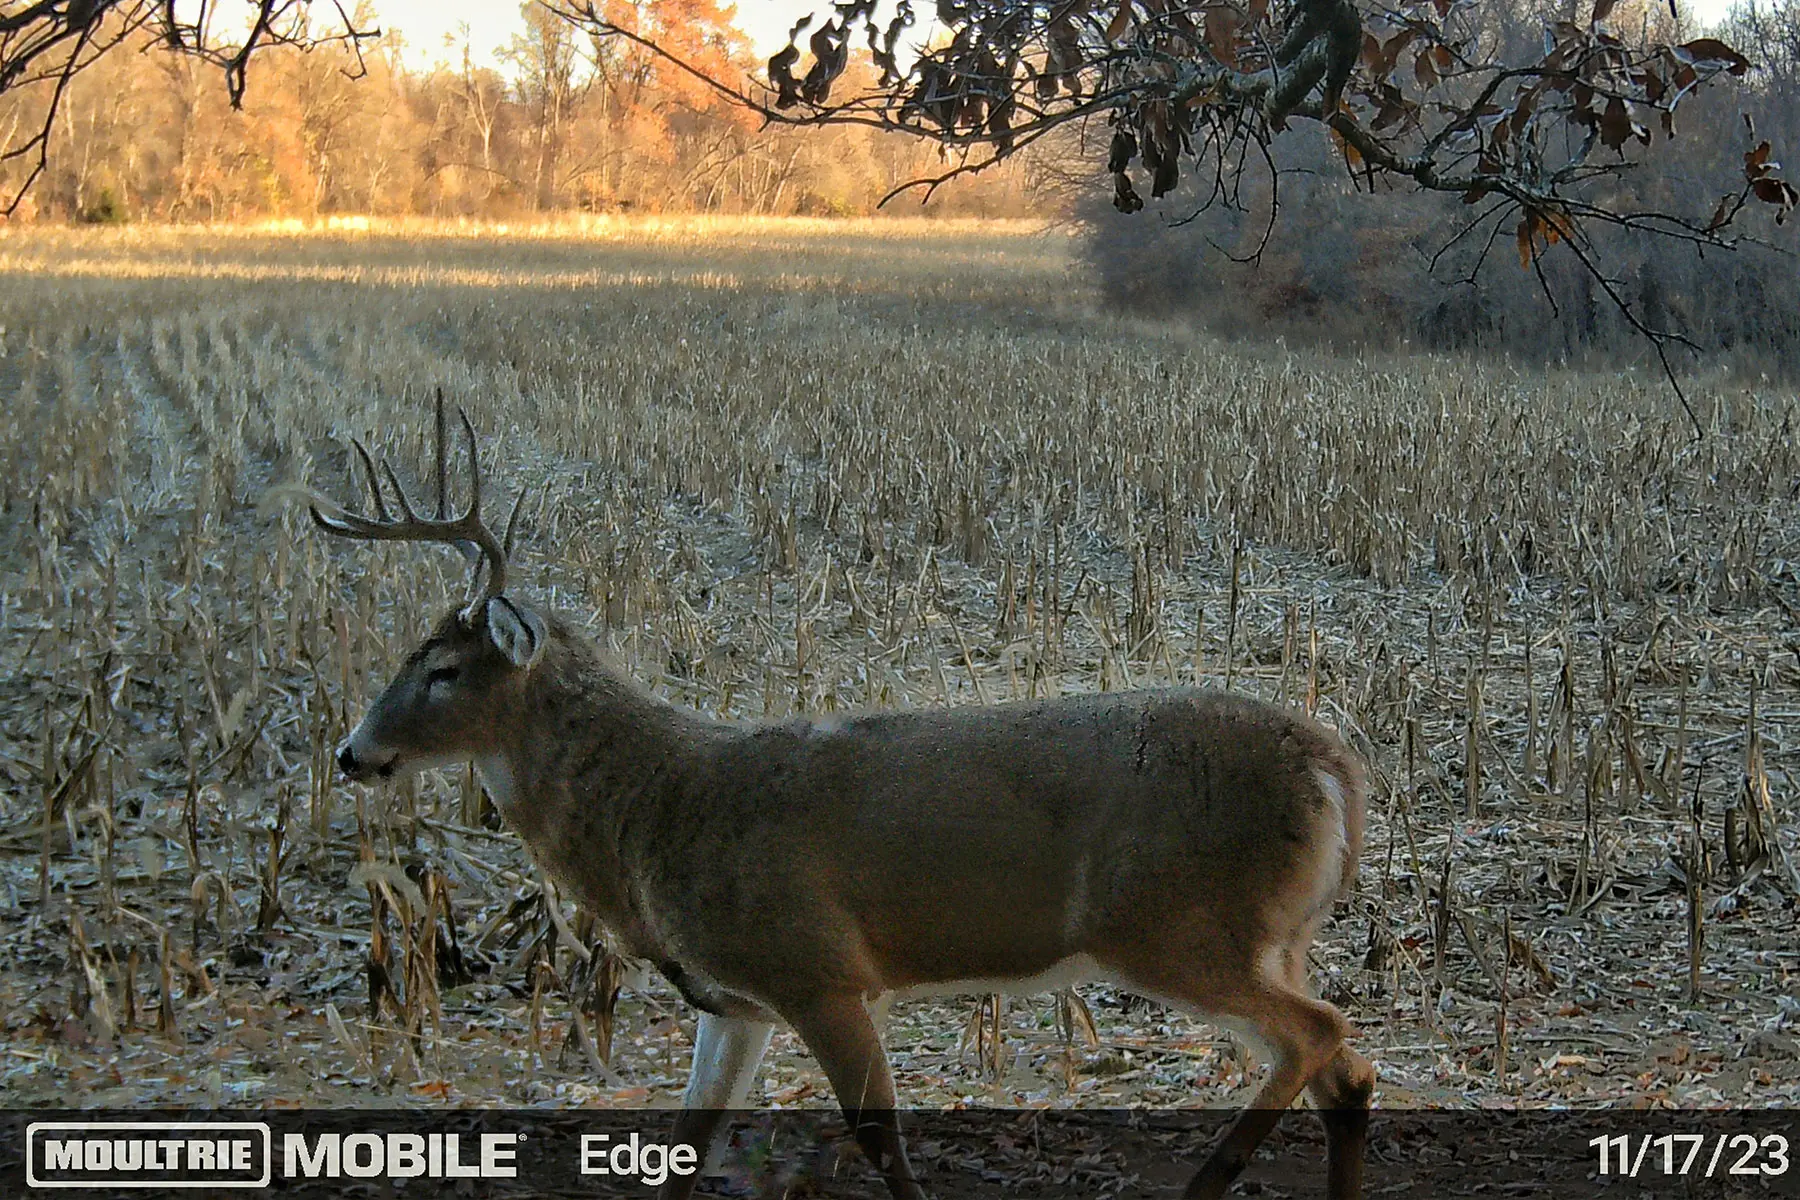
x: 433, y: 28
x: 427, y: 24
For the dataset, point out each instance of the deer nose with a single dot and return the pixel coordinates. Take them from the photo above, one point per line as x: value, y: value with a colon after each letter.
x: 346, y: 760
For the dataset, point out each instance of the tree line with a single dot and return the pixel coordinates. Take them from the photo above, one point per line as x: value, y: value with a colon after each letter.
x: 1337, y: 168
x: 567, y: 122
x: 1352, y: 259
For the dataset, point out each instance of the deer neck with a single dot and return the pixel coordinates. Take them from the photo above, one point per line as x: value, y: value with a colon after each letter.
x: 586, y: 756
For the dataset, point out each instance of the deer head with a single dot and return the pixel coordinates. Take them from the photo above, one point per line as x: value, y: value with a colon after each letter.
x: 441, y: 706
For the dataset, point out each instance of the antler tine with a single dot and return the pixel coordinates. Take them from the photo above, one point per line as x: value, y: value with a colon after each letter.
x: 401, y: 498
x: 465, y: 529
x: 479, y: 533
x: 381, y: 512
x: 474, y: 509
x: 512, y: 524
x: 348, y: 524
x: 443, y: 508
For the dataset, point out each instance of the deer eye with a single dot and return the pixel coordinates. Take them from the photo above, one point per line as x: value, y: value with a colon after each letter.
x: 440, y: 675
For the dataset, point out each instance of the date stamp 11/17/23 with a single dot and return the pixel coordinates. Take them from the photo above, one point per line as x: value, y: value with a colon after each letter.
x: 1708, y: 1155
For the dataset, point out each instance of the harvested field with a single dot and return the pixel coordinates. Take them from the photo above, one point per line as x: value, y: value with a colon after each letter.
x: 796, y: 466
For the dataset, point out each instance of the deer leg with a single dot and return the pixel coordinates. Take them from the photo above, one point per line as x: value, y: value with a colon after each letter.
x: 1304, y: 1035
x: 727, y: 1052
x: 1342, y: 1092
x: 842, y: 1037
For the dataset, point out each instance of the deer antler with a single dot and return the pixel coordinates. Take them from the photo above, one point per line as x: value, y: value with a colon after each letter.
x: 466, y: 531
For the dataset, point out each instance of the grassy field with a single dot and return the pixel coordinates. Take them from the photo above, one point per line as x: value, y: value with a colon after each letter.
x: 799, y: 467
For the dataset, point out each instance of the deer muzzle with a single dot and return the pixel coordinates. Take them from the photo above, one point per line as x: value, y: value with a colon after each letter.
x: 362, y: 767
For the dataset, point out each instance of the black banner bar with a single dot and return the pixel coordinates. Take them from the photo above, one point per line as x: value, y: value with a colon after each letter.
x: 1018, y: 1154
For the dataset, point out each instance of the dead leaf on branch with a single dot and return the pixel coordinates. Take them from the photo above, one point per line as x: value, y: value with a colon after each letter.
x: 1537, y: 232
x: 1425, y: 70
x: 1708, y: 51
x: 1222, y: 26
x: 1121, y: 19
x: 1765, y: 185
x: 1615, y: 124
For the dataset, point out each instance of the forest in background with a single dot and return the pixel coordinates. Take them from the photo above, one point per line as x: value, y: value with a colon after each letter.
x: 567, y: 123
x: 1345, y: 264
x: 572, y: 124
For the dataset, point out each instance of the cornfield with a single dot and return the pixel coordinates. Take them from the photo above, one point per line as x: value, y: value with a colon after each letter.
x: 787, y: 467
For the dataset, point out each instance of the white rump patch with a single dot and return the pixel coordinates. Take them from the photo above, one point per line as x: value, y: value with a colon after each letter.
x: 1331, y: 870
x: 1333, y: 787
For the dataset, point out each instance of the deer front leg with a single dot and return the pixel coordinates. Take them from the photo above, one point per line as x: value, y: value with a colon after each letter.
x: 727, y: 1052
x: 841, y: 1036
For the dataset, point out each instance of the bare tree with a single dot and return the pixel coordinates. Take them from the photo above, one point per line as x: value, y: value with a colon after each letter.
x: 552, y: 80
x: 1420, y: 94
x: 44, y: 44
x: 480, y: 95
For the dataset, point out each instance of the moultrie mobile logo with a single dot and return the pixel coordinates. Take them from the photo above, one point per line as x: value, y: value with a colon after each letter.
x: 399, y: 1156
x: 147, y: 1154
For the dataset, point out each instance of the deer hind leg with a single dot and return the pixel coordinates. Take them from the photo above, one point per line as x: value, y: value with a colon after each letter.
x: 842, y: 1037
x: 727, y: 1052
x: 1341, y: 1092
x: 1304, y: 1036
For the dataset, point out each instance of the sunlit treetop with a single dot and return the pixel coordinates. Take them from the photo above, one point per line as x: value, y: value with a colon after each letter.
x: 46, y: 43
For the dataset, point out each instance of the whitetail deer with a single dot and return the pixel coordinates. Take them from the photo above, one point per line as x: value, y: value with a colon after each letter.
x: 1182, y: 844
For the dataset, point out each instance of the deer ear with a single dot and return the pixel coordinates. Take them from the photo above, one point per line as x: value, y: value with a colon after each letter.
x: 517, y: 632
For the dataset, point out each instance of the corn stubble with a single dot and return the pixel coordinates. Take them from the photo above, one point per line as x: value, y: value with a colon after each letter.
x: 787, y: 467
